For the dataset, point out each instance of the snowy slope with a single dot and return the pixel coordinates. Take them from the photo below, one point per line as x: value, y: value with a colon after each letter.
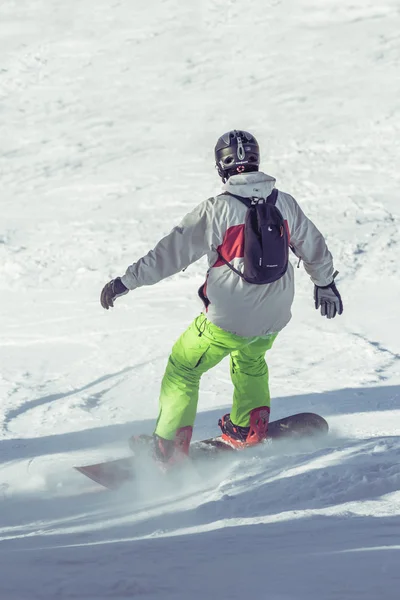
x: 109, y: 113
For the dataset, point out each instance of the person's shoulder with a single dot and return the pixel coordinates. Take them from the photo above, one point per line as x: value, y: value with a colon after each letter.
x: 211, y: 207
x: 287, y: 200
x: 219, y: 200
x: 219, y: 196
x: 285, y: 197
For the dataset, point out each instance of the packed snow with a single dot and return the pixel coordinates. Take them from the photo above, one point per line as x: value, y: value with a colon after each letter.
x: 109, y: 114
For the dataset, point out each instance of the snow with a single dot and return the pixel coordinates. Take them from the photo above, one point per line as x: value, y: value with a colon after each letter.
x: 109, y: 114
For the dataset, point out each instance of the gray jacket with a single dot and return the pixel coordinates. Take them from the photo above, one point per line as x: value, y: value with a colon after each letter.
x: 218, y: 223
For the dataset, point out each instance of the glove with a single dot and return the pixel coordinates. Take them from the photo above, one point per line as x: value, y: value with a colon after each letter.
x: 328, y: 298
x: 112, y: 290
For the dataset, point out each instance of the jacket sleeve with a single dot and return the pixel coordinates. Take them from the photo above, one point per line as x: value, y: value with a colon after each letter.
x: 194, y: 237
x: 309, y: 245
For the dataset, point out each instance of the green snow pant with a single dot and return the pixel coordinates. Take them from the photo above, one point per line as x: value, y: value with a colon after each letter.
x: 202, y: 346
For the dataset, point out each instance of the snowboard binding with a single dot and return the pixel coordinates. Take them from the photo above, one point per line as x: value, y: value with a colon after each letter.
x: 165, y: 452
x: 243, y: 437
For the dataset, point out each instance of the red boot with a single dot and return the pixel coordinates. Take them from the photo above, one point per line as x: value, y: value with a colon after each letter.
x: 165, y: 452
x: 242, y: 437
x: 173, y: 451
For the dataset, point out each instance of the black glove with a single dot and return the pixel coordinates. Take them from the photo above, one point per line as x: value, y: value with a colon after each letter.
x: 113, y: 289
x: 328, y: 298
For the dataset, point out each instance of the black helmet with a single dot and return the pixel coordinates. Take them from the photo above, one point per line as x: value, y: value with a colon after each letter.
x: 236, y: 152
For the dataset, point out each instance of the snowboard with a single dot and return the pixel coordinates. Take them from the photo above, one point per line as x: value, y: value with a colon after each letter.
x: 114, y: 473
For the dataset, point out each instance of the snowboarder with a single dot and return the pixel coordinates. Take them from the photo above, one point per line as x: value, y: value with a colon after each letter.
x: 240, y: 319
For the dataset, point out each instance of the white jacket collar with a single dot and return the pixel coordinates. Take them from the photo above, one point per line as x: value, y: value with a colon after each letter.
x: 250, y: 184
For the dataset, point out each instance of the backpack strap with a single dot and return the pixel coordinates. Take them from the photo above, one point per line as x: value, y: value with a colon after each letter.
x: 250, y: 201
x: 273, y: 197
x: 242, y: 199
x: 228, y: 264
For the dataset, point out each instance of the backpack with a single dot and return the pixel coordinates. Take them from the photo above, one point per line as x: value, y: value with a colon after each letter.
x: 266, y: 241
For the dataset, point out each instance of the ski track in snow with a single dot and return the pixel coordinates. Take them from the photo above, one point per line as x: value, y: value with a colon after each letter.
x: 110, y: 113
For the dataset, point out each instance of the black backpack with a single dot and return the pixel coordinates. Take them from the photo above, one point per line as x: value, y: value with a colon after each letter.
x: 266, y: 241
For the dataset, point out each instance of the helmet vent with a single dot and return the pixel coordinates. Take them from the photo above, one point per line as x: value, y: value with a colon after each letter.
x: 240, y: 150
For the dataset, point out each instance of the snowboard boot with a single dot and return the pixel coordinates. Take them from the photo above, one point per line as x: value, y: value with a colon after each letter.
x: 242, y: 437
x: 166, y: 453
x: 173, y: 451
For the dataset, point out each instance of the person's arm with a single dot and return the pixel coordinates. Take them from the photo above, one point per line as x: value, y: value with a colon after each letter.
x: 309, y: 245
x: 196, y: 235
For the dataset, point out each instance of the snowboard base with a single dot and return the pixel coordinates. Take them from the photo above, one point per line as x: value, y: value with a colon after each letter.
x: 112, y: 474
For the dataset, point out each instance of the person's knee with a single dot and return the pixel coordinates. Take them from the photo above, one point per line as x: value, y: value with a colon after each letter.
x: 184, y: 370
x: 250, y: 366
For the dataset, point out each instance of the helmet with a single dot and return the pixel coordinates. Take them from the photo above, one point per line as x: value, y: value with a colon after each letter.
x: 236, y: 152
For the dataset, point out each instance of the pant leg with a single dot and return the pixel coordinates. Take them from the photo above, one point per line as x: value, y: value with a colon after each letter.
x: 200, y: 347
x: 249, y: 374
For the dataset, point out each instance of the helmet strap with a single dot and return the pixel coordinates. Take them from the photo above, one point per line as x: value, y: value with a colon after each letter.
x: 221, y: 173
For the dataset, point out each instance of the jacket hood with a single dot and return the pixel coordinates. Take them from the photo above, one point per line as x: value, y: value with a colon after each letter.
x: 256, y: 184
